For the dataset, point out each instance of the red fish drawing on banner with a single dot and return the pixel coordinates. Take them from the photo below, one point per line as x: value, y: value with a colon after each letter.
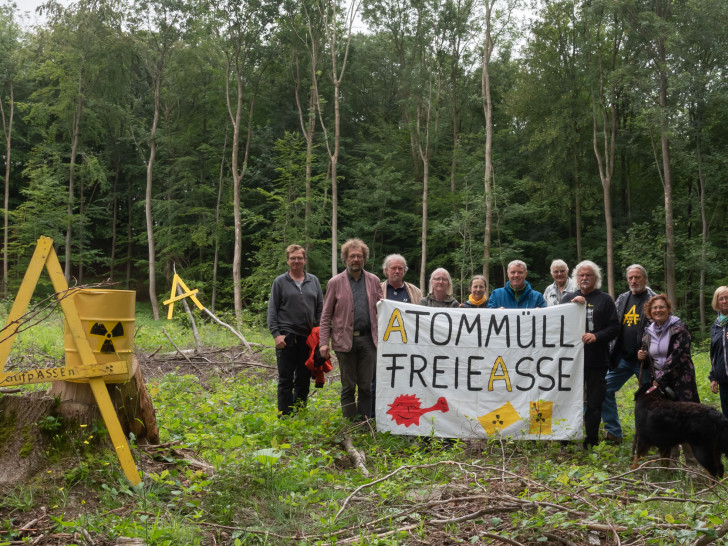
x: 406, y: 409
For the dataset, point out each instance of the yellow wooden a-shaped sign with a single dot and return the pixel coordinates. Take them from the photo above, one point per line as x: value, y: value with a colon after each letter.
x: 187, y: 293
x: 87, y: 369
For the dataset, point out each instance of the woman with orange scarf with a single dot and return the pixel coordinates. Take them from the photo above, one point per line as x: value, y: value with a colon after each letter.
x: 478, y: 295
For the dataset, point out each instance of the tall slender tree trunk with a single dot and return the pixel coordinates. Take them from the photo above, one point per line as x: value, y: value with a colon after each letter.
x: 667, y: 181
x: 238, y: 175
x: 8, y: 133
x: 606, y: 170
x: 129, y: 237
x: 148, y: 200
x: 330, y: 28
x: 425, y: 194
x: 488, y: 170
x: 71, y: 174
x: 237, y: 225
x: 662, y: 10
x: 308, y: 128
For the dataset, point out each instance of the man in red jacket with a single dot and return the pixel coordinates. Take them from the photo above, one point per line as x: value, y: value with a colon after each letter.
x: 349, y: 321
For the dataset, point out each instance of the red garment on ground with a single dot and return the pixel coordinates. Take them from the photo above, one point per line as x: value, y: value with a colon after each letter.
x: 315, y: 363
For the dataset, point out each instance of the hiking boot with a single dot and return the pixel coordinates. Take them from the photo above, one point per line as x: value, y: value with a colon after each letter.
x: 612, y: 439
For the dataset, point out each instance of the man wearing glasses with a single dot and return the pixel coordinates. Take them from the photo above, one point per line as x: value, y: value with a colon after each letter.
x: 601, y: 328
x: 294, y: 308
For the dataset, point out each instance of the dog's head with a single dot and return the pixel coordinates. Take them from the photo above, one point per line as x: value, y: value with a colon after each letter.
x: 650, y: 390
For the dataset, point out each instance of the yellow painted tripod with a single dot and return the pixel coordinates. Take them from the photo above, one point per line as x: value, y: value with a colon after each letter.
x: 88, y: 370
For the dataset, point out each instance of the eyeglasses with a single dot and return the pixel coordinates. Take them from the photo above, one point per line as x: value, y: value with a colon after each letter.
x: 659, y: 307
x: 440, y: 279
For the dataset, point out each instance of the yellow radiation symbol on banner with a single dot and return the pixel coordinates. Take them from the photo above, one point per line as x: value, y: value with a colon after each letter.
x: 540, y: 415
x: 499, y: 419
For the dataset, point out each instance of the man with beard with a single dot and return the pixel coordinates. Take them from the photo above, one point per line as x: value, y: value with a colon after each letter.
x: 601, y: 328
x: 349, y: 321
x: 623, y: 359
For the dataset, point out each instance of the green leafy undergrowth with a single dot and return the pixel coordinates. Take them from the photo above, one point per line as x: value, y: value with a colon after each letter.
x: 229, y: 471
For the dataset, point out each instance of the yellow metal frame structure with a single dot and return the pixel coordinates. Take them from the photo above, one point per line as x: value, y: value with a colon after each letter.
x: 89, y: 370
x: 177, y: 281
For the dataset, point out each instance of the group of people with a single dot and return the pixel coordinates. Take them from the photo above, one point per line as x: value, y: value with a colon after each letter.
x: 635, y: 336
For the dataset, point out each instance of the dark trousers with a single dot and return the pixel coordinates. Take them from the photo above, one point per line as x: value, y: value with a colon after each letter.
x: 723, y: 390
x: 595, y: 387
x: 357, y: 370
x: 294, y: 379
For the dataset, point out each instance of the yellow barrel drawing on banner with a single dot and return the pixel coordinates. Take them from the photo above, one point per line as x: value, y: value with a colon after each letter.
x: 107, y: 317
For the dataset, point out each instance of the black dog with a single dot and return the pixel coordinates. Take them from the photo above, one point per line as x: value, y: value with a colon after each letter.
x: 663, y: 423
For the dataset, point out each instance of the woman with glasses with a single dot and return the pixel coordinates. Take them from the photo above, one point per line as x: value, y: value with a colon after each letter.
x: 440, y: 294
x: 666, y: 347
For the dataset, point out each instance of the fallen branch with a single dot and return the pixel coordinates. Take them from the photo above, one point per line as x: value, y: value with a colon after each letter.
x: 175, y: 346
x: 233, y: 330
x: 356, y: 456
x: 382, y: 479
x: 720, y: 532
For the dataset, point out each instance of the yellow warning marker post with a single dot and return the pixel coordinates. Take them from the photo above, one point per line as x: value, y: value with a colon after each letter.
x: 187, y: 293
x: 177, y: 281
x: 87, y: 370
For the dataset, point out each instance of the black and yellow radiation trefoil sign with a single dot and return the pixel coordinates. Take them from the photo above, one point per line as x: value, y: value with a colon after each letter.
x: 85, y: 366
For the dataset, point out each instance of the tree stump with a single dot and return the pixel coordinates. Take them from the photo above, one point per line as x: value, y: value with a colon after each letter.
x: 131, y: 400
x: 23, y: 443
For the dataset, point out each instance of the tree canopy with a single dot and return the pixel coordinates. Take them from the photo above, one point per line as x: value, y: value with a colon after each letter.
x: 144, y: 135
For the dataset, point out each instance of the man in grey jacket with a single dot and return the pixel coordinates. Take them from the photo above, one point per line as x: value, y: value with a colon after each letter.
x: 294, y: 308
x: 623, y: 351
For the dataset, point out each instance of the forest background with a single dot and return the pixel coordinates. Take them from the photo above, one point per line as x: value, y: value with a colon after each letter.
x: 152, y: 135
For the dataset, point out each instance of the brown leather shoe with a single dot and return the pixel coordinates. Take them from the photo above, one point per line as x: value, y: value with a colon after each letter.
x: 611, y: 438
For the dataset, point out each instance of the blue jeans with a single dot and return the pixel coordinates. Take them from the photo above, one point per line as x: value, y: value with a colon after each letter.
x: 616, y: 379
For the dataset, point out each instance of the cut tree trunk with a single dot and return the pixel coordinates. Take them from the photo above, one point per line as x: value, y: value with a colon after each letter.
x: 131, y: 400
x: 22, y: 442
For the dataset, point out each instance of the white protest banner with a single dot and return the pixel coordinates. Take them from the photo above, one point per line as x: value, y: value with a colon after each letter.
x: 476, y: 373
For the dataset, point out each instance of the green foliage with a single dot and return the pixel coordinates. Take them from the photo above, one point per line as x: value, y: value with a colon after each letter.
x: 230, y: 461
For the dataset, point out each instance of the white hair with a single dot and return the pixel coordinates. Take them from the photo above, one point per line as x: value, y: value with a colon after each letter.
x: 558, y: 263
x: 591, y: 265
x: 514, y: 263
x: 391, y: 257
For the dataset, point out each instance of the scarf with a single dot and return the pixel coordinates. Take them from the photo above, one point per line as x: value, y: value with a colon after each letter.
x: 476, y: 303
x: 660, y: 343
x: 722, y: 320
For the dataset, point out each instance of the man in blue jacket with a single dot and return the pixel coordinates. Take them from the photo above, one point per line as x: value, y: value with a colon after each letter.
x: 517, y: 293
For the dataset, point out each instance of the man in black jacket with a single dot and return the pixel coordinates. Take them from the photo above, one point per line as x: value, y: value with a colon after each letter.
x: 294, y: 308
x: 623, y: 351
x: 601, y: 328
